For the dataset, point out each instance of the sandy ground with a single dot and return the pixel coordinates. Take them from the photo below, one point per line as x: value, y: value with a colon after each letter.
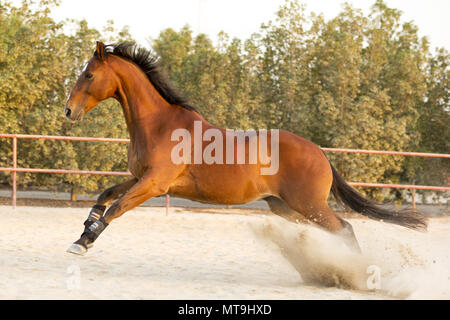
x: 226, y: 255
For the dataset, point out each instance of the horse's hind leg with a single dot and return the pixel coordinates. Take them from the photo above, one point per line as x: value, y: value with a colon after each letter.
x: 105, y: 199
x: 328, y: 219
x: 280, y: 208
x: 349, y: 236
x: 320, y: 213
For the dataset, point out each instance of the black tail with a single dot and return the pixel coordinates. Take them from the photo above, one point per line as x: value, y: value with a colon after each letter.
x: 351, y: 198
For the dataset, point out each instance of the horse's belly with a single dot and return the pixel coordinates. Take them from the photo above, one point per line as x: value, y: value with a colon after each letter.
x: 218, y: 187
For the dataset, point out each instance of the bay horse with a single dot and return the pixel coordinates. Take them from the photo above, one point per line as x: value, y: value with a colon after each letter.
x: 153, y: 110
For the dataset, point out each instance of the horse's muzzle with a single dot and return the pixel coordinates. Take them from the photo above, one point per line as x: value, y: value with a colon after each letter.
x: 73, y: 115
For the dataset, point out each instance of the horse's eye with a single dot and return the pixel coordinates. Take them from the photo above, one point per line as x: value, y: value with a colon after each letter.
x: 89, y: 75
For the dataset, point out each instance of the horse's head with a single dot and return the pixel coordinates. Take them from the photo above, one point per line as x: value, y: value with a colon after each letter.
x: 96, y: 83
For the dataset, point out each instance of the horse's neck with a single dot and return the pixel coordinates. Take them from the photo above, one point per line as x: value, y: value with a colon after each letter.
x: 145, y: 110
x: 141, y: 103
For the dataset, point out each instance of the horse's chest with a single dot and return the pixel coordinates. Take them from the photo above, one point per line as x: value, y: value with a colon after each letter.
x: 136, y: 164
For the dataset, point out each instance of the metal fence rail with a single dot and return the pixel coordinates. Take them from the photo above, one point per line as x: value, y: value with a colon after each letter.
x: 14, y: 169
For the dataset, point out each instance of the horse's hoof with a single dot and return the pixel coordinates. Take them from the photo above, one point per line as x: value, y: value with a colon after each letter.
x: 77, y: 249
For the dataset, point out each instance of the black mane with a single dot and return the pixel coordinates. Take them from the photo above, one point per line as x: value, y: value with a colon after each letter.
x: 149, y: 64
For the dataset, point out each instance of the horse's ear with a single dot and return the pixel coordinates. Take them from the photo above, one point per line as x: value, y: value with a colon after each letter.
x: 100, y: 50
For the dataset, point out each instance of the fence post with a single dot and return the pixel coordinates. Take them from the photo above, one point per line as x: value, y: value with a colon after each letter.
x: 167, y: 204
x: 413, y: 199
x: 14, y: 173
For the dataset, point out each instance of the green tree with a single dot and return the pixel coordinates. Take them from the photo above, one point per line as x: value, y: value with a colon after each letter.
x: 39, y: 67
x: 434, y: 122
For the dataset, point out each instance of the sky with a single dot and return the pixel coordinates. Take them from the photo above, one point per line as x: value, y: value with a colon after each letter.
x: 238, y: 18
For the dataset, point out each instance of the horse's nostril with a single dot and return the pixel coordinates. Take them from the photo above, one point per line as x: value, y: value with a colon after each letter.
x: 68, y: 112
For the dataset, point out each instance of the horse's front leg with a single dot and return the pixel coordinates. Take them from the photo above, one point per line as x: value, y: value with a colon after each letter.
x: 105, y: 199
x: 148, y: 186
